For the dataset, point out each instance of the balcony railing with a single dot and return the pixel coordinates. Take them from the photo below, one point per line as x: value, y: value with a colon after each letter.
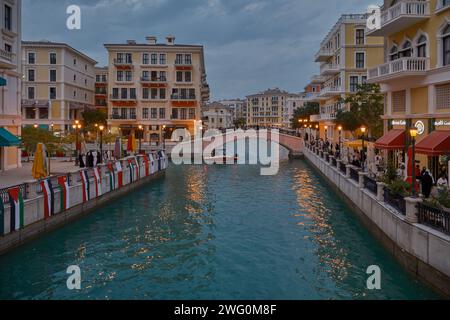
x: 182, y: 97
x: 331, y: 91
x: 323, y: 55
x: 118, y: 98
x: 436, y: 218
x: 329, y: 69
x: 153, y: 79
x: 399, y: 68
x: 122, y: 117
x: 7, y: 56
x: 401, y: 16
x: 123, y: 62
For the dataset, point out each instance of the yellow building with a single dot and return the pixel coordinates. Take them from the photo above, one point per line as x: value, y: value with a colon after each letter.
x: 159, y: 86
x: 344, y: 56
x: 10, y: 83
x: 101, y: 89
x: 58, y: 84
x: 415, y: 78
x: 267, y: 108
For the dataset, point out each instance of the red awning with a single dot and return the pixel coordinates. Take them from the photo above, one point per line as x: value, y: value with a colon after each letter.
x: 393, y: 140
x: 436, y: 143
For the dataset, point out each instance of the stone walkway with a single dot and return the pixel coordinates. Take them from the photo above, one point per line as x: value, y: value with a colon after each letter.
x: 18, y: 176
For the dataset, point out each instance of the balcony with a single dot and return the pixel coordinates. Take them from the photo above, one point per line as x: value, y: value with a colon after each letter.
x: 394, y: 70
x: 331, y: 91
x: 177, y: 97
x: 323, y: 55
x: 123, y: 63
x: 401, y: 16
x: 122, y: 117
x: 153, y: 80
x: 329, y: 69
x: 312, y: 96
x: 7, y: 60
x: 318, y: 79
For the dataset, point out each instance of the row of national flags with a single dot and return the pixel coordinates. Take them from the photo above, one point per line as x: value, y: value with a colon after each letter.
x: 16, y: 195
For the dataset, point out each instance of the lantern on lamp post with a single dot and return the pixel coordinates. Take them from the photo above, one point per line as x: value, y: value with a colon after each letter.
x: 101, y: 128
x: 413, y: 132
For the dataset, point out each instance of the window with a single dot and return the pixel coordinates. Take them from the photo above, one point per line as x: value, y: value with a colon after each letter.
x: 360, y: 60
x: 360, y: 37
x: 364, y: 79
x: 145, y: 93
x: 52, y: 58
x: 422, y: 46
x: 406, y: 50
x: 128, y: 76
x: 353, y: 83
x: 174, y: 113
x: 162, y: 94
x: 31, y: 93
x: 443, y: 97
x: 162, y: 76
x: 132, y: 93
x: 192, y: 113
x: 446, y: 42
x: 128, y: 58
x: 124, y: 93
x: 8, y: 17
x: 74, y: 62
x: 154, y: 93
x: 393, y: 54
x: 119, y: 75
x: 179, y: 59
x: 115, y: 93
x: 162, y: 59
x: 399, y: 101
x: 31, y: 75
x: 97, y: 78
x: 162, y: 113
x: 52, y: 93
x: 179, y: 76
x: 52, y: 75
x: 31, y: 58
x: 154, y: 58
x: 145, y: 113
x: 145, y: 58
x: 30, y: 113
x: 188, y: 76
x: 8, y: 47
x: 188, y: 59
x: 154, y: 113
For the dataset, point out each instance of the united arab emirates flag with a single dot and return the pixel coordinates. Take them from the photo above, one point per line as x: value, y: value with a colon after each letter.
x: 65, y: 193
x: 17, y: 208
x: 2, y: 218
x: 85, y: 185
x: 112, y: 177
x: 119, y: 174
x: 49, y: 198
x: 98, y: 182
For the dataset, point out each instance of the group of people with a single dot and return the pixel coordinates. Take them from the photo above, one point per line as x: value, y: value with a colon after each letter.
x: 93, y: 158
x: 427, y: 181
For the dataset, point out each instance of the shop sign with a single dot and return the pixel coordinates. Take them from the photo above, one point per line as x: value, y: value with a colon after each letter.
x: 399, y: 122
x: 420, y: 127
x: 442, y: 123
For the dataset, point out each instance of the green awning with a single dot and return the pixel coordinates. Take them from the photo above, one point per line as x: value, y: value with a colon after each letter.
x: 7, y: 139
x: 2, y: 82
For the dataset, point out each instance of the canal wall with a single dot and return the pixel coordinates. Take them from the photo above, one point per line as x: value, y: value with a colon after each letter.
x: 117, y: 179
x: 421, y: 250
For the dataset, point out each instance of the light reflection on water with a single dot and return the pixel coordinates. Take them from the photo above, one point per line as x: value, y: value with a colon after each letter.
x: 212, y: 233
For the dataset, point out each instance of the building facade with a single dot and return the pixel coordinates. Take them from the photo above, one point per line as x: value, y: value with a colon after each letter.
x: 344, y: 56
x: 267, y: 108
x: 415, y: 77
x: 293, y: 102
x: 159, y: 86
x: 10, y: 84
x: 217, y: 115
x: 101, y: 89
x: 58, y: 85
x: 237, y: 107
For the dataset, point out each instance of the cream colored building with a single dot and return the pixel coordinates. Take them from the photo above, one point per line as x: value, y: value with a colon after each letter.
x: 10, y: 78
x: 101, y: 89
x: 415, y: 77
x: 267, y: 108
x: 161, y: 86
x: 58, y: 84
x: 238, y: 108
x: 344, y: 56
x: 294, y: 102
x: 217, y: 115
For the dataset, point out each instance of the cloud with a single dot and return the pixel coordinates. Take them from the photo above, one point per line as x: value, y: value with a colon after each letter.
x: 250, y: 45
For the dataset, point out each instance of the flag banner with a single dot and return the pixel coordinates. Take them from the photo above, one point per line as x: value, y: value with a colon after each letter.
x: 159, y: 162
x: 147, y: 165
x: 165, y: 160
x: 152, y: 164
x: 134, y: 170
x: 65, y: 193
x: 2, y: 218
x: 86, y: 187
x: 112, y: 177
x: 98, y: 182
x: 49, y: 198
x: 138, y: 168
x: 17, y: 208
x: 119, y: 174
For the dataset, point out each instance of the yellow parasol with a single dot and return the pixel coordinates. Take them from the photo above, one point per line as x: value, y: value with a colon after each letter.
x: 358, y: 144
x: 39, y: 170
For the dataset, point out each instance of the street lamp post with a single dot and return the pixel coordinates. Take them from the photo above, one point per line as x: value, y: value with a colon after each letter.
x: 77, y: 127
x: 340, y: 142
x: 413, y: 133
x: 363, y: 158
x: 141, y: 132
x: 164, y: 137
x: 101, y: 128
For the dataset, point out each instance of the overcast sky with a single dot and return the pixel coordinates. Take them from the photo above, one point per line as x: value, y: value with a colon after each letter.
x: 250, y: 45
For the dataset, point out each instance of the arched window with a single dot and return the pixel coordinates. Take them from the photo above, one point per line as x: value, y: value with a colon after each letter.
x: 446, y: 46
x: 393, y: 54
x: 422, y: 47
x: 406, y: 50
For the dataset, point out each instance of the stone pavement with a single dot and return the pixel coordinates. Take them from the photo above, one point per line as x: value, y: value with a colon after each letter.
x: 18, y: 176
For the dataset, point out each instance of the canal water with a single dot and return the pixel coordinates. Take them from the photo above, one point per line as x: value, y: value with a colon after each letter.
x: 221, y: 232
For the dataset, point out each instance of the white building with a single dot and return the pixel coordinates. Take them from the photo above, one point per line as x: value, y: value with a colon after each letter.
x: 217, y: 116
x: 237, y: 107
x: 293, y: 102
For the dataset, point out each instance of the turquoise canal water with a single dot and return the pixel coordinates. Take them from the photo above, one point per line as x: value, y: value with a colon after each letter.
x: 220, y: 232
